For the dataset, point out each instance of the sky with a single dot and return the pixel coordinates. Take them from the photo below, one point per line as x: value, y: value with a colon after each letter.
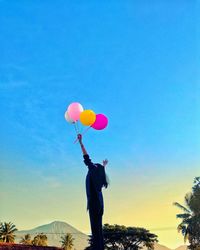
x: 134, y: 61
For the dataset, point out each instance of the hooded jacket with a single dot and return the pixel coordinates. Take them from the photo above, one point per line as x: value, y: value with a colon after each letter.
x: 93, y: 186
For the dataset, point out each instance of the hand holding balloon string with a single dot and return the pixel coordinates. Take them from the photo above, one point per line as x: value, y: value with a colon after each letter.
x: 81, y: 134
x: 88, y: 118
x: 79, y: 137
x: 100, y: 122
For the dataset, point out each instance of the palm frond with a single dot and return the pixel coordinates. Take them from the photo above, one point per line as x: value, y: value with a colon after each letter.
x: 181, y: 207
x: 186, y: 235
x: 183, y: 216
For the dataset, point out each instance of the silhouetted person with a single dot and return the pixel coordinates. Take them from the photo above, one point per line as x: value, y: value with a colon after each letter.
x: 95, y: 180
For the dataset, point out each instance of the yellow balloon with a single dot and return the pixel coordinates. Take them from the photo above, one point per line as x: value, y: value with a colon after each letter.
x: 87, y: 117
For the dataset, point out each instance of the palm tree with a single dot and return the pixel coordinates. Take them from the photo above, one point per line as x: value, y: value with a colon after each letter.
x: 26, y: 240
x: 40, y: 240
x: 190, y: 224
x: 7, y: 232
x: 185, y: 216
x: 67, y: 241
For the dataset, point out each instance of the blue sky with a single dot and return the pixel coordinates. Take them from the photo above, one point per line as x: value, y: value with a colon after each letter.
x: 134, y: 61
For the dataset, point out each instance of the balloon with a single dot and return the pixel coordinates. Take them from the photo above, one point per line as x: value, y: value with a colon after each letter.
x: 101, y: 122
x: 67, y: 118
x: 87, y: 117
x: 74, y: 110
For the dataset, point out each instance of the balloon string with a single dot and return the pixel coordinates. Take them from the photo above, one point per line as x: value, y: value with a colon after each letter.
x: 76, y: 128
x: 85, y: 131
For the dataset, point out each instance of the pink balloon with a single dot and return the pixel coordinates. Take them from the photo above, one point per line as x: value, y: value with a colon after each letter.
x: 101, y: 122
x: 74, y: 110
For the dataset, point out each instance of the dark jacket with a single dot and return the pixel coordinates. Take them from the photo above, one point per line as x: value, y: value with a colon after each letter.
x: 93, y: 186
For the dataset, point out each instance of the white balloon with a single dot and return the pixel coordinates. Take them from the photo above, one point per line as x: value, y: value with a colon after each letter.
x: 67, y: 118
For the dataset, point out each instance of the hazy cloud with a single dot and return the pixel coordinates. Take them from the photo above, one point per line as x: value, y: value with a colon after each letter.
x: 12, y: 85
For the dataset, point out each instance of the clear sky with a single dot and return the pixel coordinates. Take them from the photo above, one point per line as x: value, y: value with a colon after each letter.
x: 136, y: 62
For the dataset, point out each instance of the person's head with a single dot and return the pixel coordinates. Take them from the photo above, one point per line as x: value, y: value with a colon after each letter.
x: 102, y: 175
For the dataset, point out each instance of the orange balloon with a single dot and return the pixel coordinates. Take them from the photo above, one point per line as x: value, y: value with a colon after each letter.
x: 87, y: 117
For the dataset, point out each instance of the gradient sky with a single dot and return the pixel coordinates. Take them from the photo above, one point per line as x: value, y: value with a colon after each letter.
x: 136, y: 62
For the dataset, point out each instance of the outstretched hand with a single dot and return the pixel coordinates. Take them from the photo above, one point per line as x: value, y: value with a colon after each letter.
x: 105, y: 162
x: 79, y: 137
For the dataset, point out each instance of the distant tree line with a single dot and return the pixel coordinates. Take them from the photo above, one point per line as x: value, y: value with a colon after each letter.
x: 115, y: 237
x: 7, y: 235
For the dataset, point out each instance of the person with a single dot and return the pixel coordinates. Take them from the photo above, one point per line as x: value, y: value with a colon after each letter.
x: 95, y: 181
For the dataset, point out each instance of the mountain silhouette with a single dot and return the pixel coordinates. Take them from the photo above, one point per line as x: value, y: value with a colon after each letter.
x: 54, y: 231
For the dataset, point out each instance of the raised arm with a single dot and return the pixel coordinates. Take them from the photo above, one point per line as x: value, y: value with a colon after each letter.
x: 81, y: 144
x: 86, y: 157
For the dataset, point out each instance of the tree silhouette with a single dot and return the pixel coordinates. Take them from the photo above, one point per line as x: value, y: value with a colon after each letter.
x: 26, y: 240
x: 40, y: 240
x: 67, y: 241
x: 118, y: 237
x: 7, y: 232
x: 190, y: 224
